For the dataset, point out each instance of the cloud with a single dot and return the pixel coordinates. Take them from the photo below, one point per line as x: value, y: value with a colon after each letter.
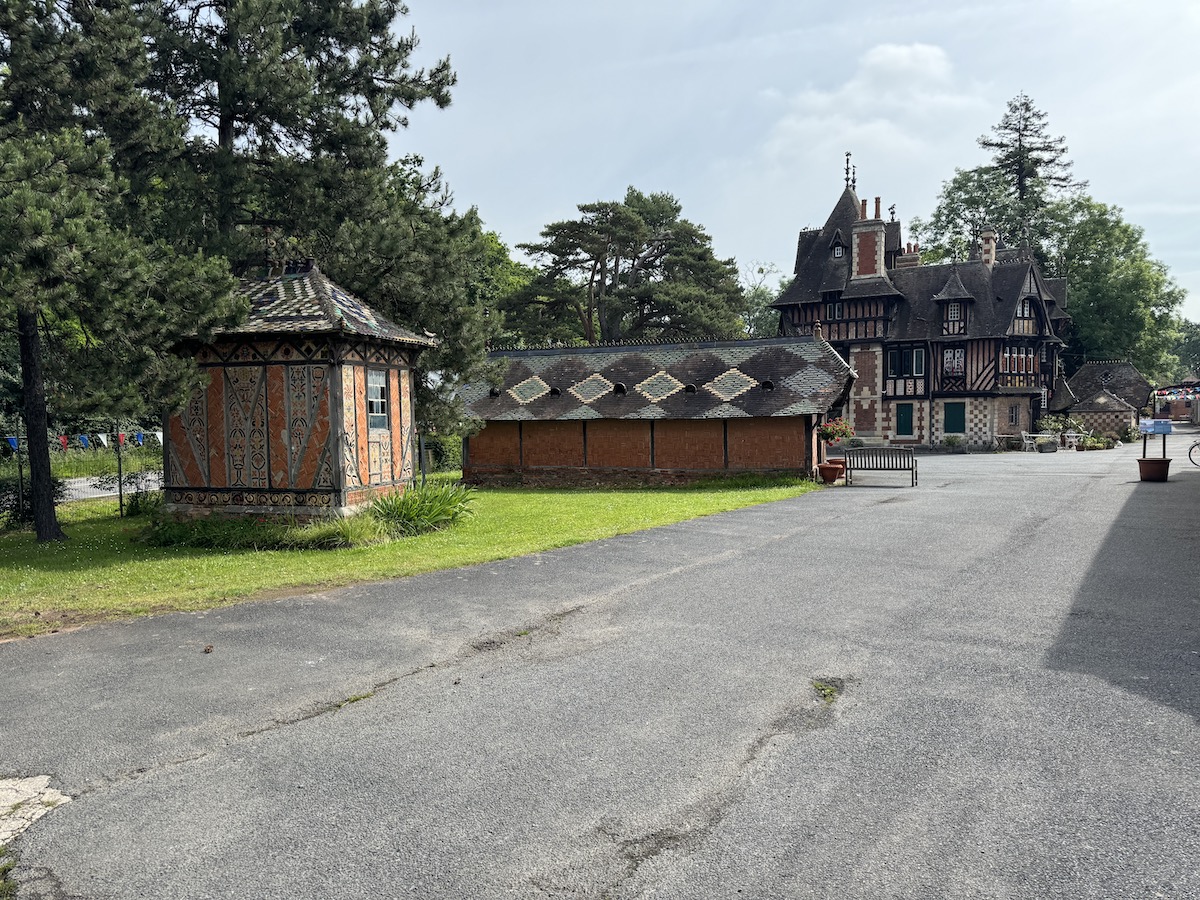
x: 900, y: 100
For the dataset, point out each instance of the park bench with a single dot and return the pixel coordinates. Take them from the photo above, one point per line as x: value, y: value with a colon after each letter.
x: 880, y: 459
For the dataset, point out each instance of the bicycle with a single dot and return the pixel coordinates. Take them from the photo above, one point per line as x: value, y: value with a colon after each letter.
x: 1194, y: 453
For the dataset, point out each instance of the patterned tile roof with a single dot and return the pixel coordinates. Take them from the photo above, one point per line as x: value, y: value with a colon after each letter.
x: 299, y: 297
x: 703, y: 380
x: 1117, y: 376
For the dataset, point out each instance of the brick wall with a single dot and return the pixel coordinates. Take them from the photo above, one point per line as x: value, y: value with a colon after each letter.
x: 618, y: 443
x: 619, y: 450
x: 775, y: 443
x: 497, y: 444
x: 552, y: 443
x: 689, y: 444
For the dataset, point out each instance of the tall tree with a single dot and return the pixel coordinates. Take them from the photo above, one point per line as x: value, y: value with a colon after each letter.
x: 94, y: 307
x: 632, y: 270
x: 1031, y: 162
x: 104, y: 305
x: 286, y: 101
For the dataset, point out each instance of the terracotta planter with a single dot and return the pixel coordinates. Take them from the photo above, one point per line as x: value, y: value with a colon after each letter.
x: 829, y: 472
x: 839, y: 461
x: 1153, y: 469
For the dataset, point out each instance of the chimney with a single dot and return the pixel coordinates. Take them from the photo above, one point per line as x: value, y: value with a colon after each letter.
x: 987, y: 246
x: 863, y: 214
x: 867, y: 257
x: 878, y: 214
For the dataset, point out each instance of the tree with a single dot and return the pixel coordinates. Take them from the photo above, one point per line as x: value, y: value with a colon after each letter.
x: 1031, y: 163
x: 102, y: 304
x: 422, y: 264
x: 288, y: 101
x: 1187, y: 350
x: 632, y: 270
x: 1121, y: 300
x: 1123, y: 303
x: 759, y: 318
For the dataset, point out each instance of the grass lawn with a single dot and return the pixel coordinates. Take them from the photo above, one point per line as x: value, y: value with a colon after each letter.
x: 104, y: 572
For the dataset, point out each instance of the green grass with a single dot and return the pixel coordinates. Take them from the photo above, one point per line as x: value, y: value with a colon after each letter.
x: 105, y: 571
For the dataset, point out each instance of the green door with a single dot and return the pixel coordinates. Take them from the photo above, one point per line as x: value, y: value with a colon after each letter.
x: 956, y: 418
x: 904, y: 419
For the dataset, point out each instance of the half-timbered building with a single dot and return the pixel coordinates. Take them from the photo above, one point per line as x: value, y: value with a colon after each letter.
x: 967, y: 348
x: 307, y: 410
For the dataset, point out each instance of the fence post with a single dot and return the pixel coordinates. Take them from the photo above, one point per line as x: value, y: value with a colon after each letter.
x: 20, y: 476
x: 120, y: 473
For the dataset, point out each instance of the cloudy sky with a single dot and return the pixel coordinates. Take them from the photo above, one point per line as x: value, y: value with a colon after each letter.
x: 744, y: 110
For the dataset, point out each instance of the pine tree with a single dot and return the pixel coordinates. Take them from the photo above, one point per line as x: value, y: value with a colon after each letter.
x: 1032, y: 163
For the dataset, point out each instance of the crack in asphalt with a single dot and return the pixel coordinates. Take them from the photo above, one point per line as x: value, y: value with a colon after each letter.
x: 698, y: 819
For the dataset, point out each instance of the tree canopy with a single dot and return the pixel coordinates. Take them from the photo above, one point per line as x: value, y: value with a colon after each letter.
x: 1122, y: 301
x: 632, y: 269
x: 174, y: 140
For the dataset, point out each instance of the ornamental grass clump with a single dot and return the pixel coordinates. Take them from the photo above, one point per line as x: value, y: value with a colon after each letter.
x: 423, y: 509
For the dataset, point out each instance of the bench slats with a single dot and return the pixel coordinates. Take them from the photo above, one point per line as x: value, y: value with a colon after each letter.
x: 880, y: 459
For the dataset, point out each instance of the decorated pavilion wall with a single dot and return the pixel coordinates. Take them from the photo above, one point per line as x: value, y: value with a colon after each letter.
x: 281, y: 426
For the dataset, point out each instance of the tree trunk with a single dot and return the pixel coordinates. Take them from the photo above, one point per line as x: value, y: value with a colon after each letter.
x: 33, y: 397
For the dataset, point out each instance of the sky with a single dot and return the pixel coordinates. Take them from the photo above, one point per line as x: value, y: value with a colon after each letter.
x: 744, y: 110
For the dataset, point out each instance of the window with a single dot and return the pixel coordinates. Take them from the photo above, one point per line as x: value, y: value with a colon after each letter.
x: 955, y: 418
x: 377, y: 405
x: 953, y: 311
x: 833, y: 311
x: 908, y: 362
x: 838, y: 251
x: 954, y: 361
x: 1025, y: 309
x: 1014, y: 414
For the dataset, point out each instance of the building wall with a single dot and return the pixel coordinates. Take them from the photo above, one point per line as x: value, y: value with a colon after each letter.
x: 1107, y: 424
x: 614, y: 449
x: 281, y: 428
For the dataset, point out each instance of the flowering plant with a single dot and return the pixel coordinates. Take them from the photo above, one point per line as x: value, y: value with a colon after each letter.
x: 834, y: 431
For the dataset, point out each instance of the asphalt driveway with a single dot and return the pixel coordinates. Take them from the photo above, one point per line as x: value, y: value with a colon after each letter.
x: 1009, y: 664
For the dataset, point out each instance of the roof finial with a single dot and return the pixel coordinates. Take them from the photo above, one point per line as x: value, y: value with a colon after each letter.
x: 847, y: 168
x: 892, y: 211
x: 854, y: 178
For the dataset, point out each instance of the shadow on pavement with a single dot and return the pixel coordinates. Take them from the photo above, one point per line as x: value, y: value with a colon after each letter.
x: 1135, y: 622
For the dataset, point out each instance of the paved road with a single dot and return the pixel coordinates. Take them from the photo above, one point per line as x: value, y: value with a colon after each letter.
x: 1017, y: 641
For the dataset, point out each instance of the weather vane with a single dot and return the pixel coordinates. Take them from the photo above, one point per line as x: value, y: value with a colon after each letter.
x: 847, y: 168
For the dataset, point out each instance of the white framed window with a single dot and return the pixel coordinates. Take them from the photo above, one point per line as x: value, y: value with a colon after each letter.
x: 953, y: 311
x: 377, y: 399
x: 838, y: 251
x: 954, y: 361
x: 1025, y: 309
x: 1014, y: 414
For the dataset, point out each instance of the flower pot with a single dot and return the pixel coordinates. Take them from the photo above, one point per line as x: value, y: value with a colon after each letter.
x: 839, y: 461
x: 829, y: 472
x: 1047, y: 447
x: 1153, y: 469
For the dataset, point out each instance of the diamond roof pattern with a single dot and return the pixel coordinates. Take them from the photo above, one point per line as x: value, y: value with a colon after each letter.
x: 299, y: 297
x: 710, y: 380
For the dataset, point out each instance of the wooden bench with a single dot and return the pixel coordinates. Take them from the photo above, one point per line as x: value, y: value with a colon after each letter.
x: 880, y: 459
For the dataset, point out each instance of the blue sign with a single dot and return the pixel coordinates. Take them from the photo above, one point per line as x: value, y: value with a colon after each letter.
x: 1154, y: 426
x: 12, y: 442
x: 84, y: 440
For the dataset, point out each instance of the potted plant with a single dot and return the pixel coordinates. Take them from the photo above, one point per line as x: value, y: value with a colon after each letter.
x: 834, y: 431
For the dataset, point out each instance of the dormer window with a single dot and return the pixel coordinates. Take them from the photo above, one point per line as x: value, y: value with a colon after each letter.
x: 1025, y: 308
x: 953, y: 311
x: 838, y: 251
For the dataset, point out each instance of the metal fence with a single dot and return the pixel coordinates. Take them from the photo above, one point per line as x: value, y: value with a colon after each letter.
x: 124, y: 465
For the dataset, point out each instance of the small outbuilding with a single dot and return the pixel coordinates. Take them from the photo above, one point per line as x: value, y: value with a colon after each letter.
x: 308, y: 409
x: 663, y: 412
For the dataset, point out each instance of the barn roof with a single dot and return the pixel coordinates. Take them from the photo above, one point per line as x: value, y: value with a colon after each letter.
x: 299, y: 298
x: 702, y: 380
x: 1118, y: 376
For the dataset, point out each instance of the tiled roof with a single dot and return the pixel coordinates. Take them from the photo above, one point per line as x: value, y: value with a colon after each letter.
x: 1103, y: 401
x: 299, y: 297
x: 706, y: 380
x: 1118, y: 376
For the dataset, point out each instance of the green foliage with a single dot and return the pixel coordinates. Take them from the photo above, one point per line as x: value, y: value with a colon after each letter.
x: 1187, y: 350
x: 16, y: 512
x: 423, y: 509
x: 1122, y: 302
x: 8, y: 887
x: 835, y: 431
x: 445, y: 451
x: 630, y: 270
x: 952, y: 441
x: 1057, y: 424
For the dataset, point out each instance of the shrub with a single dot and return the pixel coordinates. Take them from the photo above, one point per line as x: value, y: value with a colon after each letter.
x: 445, y: 452
x: 856, y: 442
x: 422, y: 509
x: 952, y: 441
x: 14, y: 509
